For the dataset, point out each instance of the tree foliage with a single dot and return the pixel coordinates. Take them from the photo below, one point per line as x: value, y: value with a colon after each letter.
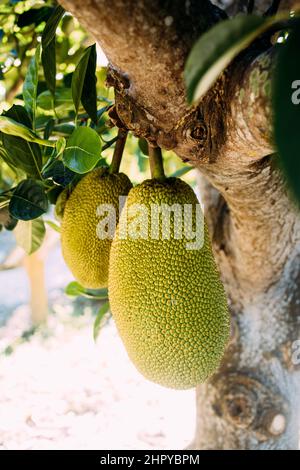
x: 54, y: 112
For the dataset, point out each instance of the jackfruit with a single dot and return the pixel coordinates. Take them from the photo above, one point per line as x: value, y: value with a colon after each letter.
x: 168, y: 301
x: 84, y: 252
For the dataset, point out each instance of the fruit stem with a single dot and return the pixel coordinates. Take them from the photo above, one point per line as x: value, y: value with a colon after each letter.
x: 156, y: 163
x: 118, y: 151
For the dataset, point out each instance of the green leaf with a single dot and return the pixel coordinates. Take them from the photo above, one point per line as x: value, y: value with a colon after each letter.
x: 216, y: 48
x: 28, y: 201
x: 286, y: 102
x: 51, y: 25
x: 11, y: 224
x: 74, y: 289
x: 4, y: 200
x: 59, y: 173
x: 19, y: 114
x: 48, y: 48
x: 143, y: 145
x: 49, y: 66
x: 142, y: 160
x: 60, y: 146
x: 64, y: 129
x: 49, y: 128
x: 53, y: 193
x: 30, y: 234
x: 81, y: 79
x: 31, y: 84
x: 41, y: 120
x: 182, y: 171
x: 63, y: 100
x: 89, y: 91
x: 10, y: 127
x: 100, y: 319
x: 19, y: 152
x: 53, y: 225
x: 83, y: 150
x: 35, y: 16
x: 61, y: 203
x: 96, y: 294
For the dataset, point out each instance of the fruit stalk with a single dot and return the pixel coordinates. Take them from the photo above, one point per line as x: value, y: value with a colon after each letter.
x: 118, y: 152
x: 156, y: 164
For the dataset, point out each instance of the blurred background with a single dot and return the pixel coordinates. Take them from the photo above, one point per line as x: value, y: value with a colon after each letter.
x: 60, y: 389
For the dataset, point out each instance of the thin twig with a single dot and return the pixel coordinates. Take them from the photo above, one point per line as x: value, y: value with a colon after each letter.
x: 110, y: 143
x: 118, y: 152
x: 156, y: 163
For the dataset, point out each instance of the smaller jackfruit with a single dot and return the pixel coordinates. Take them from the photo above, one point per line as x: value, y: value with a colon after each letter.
x: 168, y: 302
x: 61, y: 204
x: 84, y: 252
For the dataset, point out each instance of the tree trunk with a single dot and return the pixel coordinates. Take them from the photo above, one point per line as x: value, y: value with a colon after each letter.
x: 252, y: 402
x: 35, y: 267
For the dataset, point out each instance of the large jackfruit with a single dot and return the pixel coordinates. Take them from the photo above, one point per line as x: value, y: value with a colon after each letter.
x: 85, y: 253
x: 168, y: 301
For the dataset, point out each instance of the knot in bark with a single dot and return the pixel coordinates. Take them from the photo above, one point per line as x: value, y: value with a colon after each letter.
x: 248, y: 404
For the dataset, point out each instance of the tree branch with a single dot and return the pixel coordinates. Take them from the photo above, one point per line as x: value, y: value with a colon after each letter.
x: 147, y: 43
x: 137, y: 38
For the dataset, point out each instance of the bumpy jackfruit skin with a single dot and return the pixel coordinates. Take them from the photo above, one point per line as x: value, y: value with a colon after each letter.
x: 168, y: 302
x: 86, y: 255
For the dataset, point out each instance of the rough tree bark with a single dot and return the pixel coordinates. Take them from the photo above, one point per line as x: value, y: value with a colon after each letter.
x: 253, y: 400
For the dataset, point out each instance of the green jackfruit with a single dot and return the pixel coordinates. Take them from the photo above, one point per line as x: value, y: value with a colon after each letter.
x: 168, y: 301
x: 84, y: 252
